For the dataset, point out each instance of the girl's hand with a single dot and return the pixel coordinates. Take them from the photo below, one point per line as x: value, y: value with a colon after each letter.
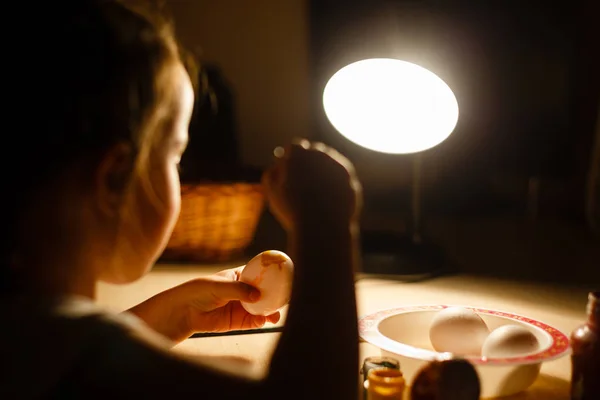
x: 313, y: 182
x: 210, y: 304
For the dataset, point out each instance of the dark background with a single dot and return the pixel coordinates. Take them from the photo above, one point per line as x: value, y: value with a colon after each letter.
x: 526, y: 78
x: 505, y: 194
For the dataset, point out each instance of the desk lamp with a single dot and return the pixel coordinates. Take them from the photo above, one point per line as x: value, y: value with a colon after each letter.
x: 394, y: 107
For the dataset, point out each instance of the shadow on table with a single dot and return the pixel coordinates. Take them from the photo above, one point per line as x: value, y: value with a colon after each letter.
x: 545, y: 388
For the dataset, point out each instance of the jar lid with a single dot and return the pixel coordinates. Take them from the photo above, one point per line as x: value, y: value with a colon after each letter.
x: 378, y: 362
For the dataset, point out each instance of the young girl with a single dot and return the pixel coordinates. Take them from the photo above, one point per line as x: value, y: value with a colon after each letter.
x: 90, y: 193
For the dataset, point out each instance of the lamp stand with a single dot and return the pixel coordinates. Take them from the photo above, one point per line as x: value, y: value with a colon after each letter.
x: 416, y: 199
x: 407, y: 258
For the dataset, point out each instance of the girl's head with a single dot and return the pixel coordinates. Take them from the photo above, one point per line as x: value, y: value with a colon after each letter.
x: 93, y: 193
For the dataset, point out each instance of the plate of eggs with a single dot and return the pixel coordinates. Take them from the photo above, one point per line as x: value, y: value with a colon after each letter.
x: 506, y: 349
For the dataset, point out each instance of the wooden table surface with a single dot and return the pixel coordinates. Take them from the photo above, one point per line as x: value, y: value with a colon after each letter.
x: 561, y: 307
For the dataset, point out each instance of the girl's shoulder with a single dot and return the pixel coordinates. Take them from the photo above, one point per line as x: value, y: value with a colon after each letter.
x: 74, y: 349
x: 50, y: 344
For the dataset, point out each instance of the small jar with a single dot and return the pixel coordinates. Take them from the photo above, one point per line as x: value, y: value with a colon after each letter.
x: 585, y: 358
x: 385, y: 384
x: 375, y: 362
x: 378, y: 362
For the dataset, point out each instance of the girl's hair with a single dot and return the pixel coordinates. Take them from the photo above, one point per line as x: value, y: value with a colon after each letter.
x: 99, y: 72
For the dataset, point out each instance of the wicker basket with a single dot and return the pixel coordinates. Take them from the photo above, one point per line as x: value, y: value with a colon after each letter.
x: 217, y: 222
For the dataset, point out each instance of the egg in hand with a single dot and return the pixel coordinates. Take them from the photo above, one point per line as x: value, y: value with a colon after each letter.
x: 271, y: 272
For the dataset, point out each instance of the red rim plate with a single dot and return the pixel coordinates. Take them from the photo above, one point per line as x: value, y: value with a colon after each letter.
x: 368, y: 331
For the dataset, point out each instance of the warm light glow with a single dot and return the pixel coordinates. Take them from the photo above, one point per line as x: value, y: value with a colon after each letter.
x: 390, y: 106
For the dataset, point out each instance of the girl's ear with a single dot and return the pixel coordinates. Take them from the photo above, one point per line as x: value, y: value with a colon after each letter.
x: 112, y: 178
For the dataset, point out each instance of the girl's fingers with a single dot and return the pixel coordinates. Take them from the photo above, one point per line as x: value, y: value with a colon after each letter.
x: 258, y: 321
x: 274, y: 318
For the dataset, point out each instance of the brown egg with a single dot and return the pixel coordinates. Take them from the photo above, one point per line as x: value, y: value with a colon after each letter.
x: 272, y: 273
x: 454, y: 379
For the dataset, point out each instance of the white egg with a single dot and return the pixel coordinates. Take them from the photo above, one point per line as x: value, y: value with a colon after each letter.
x: 272, y: 273
x: 459, y: 331
x: 510, y: 341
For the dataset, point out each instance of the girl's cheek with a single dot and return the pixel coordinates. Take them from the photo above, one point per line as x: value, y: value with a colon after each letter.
x: 174, y: 191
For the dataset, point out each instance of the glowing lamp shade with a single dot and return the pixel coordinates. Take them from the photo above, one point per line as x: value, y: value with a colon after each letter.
x: 390, y: 106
